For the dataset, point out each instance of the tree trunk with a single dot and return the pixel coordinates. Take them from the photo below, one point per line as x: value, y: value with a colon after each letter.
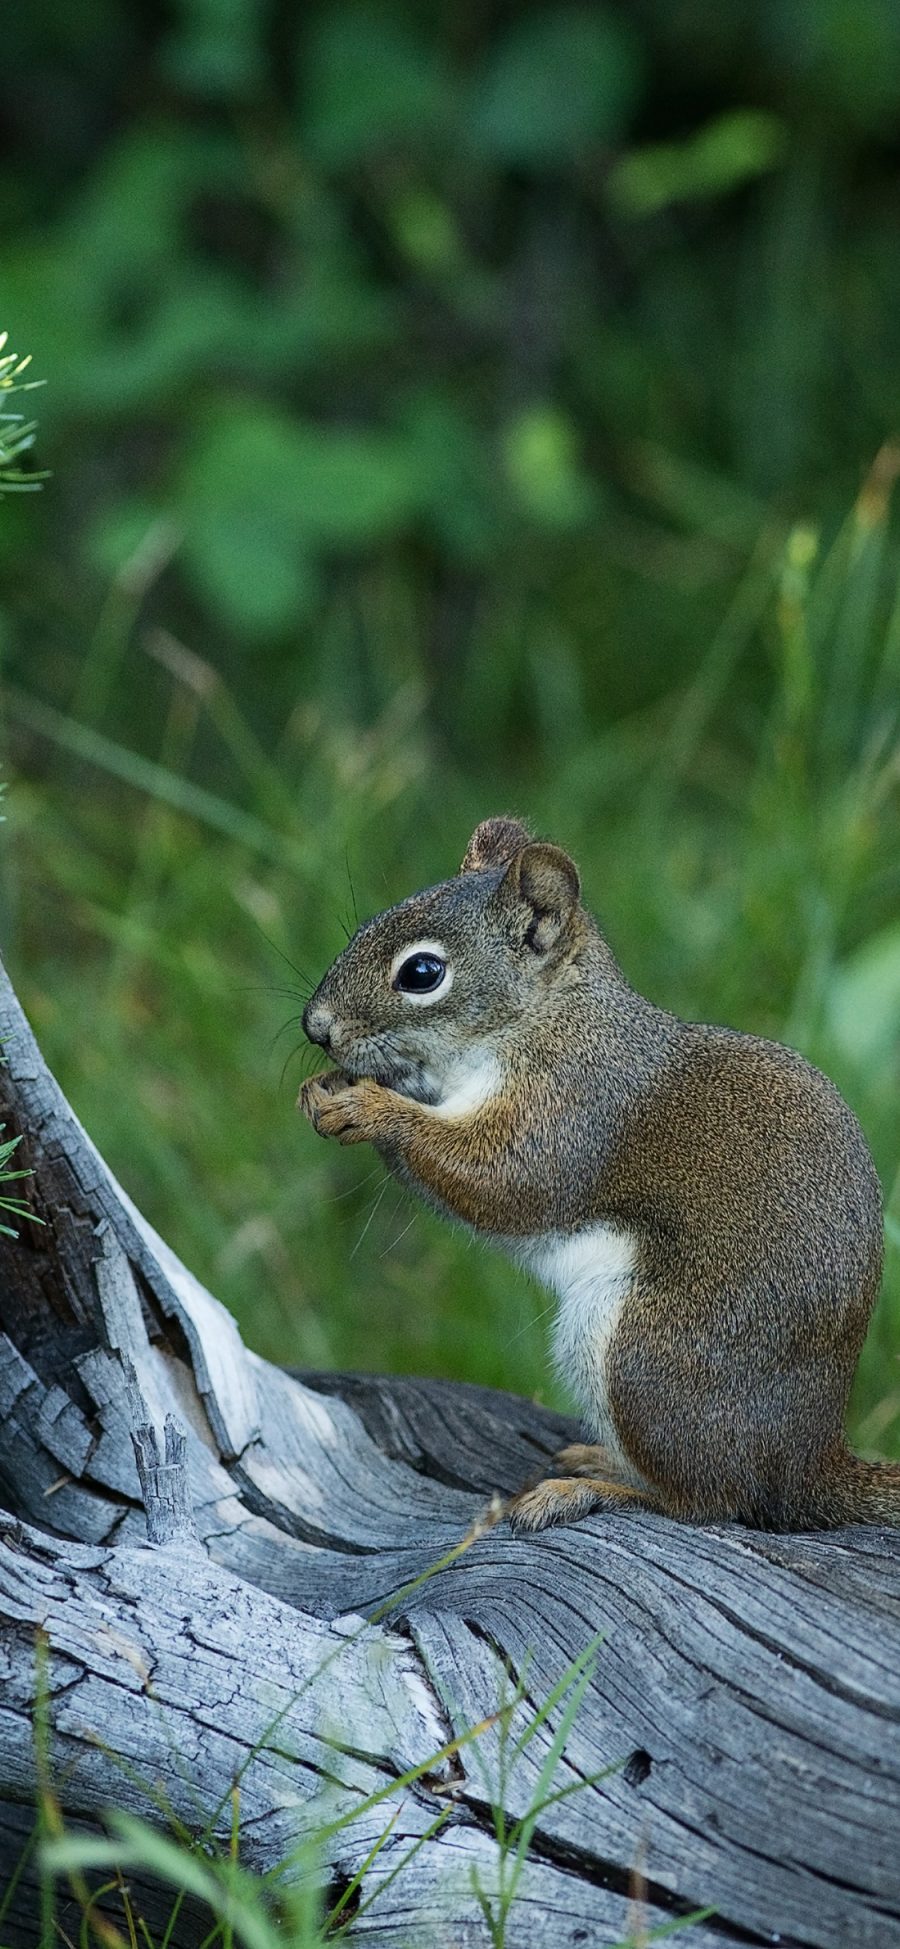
x: 736, y: 1746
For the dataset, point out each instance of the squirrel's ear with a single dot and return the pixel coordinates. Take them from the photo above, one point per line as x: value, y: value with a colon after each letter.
x: 542, y: 884
x: 493, y: 843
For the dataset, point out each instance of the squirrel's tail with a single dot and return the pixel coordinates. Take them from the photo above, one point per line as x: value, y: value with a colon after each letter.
x: 854, y: 1491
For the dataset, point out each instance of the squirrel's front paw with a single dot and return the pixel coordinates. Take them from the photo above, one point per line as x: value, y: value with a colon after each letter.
x: 340, y: 1106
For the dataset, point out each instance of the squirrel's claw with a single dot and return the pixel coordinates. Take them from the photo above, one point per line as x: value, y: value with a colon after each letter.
x: 338, y: 1106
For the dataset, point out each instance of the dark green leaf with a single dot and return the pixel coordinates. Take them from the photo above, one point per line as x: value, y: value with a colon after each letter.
x: 560, y: 80
x: 250, y: 569
x: 369, y: 80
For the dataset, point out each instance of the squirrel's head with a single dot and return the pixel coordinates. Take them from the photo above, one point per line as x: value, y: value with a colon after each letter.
x: 425, y: 995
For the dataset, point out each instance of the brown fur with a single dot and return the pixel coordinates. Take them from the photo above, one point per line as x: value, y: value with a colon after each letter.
x: 736, y: 1166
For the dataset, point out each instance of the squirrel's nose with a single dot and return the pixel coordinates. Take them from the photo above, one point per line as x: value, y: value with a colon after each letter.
x: 317, y: 1023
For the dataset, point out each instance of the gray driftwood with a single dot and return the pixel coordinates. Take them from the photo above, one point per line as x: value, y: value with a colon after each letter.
x: 747, y: 1688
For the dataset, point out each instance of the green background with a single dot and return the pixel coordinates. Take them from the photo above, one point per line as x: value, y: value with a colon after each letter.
x: 450, y: 410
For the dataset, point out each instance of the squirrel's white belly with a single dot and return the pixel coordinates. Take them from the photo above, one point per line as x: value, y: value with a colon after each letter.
x: 592, y: 1273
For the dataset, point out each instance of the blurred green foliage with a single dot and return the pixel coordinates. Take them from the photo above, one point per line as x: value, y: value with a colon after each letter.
x: 448, y: 409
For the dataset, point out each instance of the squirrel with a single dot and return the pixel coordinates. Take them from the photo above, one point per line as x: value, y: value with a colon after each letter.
x: 702, y: 1202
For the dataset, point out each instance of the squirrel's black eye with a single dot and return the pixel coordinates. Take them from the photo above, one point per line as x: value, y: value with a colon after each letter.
x: 420, y: 975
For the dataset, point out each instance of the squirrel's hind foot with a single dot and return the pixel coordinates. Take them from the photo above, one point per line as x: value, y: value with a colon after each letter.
x: 588, y: 1458
x: 564, y: 1499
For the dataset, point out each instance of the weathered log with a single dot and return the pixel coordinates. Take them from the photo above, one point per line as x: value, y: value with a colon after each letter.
x: 742, y: 1712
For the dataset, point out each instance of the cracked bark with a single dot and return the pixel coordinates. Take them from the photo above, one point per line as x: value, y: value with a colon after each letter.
x: 747, y: 1689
